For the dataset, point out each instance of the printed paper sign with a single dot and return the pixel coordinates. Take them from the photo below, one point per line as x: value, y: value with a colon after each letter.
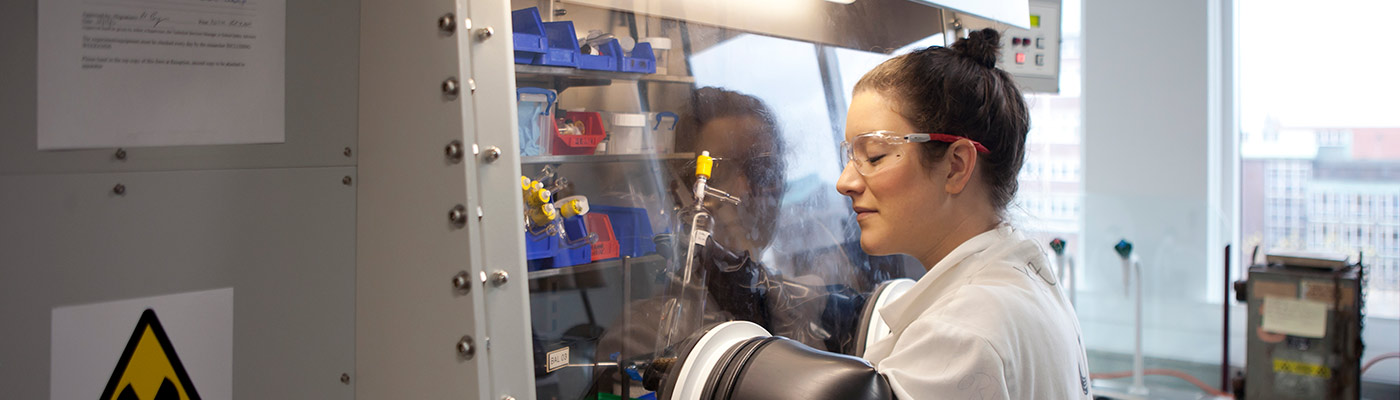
x: 1295, y: 317
x: 160, y: 73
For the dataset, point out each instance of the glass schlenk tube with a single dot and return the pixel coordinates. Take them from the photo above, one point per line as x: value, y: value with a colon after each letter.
x: 685, y: 310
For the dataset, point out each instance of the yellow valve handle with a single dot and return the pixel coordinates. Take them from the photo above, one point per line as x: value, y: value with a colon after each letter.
x: 704, y: 164
x: 529, y: 190
x: 544, y: 214
x: 571, y: 209
x: 538, y: 197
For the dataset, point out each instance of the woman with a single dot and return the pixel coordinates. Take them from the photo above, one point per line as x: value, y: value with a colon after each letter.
x: 934, y: 141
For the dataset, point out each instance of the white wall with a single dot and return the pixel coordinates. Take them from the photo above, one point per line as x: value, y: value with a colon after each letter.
x: 1148, y: 174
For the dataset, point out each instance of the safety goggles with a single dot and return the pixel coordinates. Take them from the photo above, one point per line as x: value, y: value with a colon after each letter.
x: 872, y: 152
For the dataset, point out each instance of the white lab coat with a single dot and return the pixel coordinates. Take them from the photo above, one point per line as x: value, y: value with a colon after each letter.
x: 987, y: 322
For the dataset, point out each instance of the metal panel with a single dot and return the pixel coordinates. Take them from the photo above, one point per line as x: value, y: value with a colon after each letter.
x: 501, y: 243
x: 282, y: 239
x: 322, y: 66
x: 409, y: 317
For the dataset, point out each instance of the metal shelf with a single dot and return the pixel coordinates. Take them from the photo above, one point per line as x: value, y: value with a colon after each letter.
x: 595, y: 266
x: 604, y: 158
x: 561, y: 78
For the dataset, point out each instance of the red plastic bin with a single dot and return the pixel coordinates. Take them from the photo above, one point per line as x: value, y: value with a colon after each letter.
x: 575, y: 145
x: 606, y: 247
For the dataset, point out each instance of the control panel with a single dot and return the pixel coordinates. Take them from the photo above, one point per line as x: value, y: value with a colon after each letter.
x: 1033, y: 55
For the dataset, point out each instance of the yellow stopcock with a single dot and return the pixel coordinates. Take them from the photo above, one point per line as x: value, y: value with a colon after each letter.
x: 703, y: 164
x: 544, y: 214
x: 538, y: 197
x: 571, y: 209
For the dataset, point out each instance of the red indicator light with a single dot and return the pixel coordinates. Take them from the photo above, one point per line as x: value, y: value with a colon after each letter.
x: 1020, y: 58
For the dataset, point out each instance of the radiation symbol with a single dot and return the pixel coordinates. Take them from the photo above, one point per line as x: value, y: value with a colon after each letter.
x: 149, y: 369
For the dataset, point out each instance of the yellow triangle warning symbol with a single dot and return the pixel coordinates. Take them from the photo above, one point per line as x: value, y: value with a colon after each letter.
x: 149, y: 368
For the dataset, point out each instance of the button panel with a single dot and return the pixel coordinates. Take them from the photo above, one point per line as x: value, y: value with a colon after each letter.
x: 1034, y: 52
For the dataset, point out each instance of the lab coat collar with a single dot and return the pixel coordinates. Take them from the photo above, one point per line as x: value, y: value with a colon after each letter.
x: 898, y: 314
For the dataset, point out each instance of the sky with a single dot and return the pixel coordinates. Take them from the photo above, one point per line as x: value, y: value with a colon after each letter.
x: 1319, y: 64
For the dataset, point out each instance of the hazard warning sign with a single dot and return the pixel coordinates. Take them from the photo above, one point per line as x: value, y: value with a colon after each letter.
x: 170, y: 347
x: 149, y: 369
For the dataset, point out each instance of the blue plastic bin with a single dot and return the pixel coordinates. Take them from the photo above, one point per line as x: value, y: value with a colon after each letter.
x: 562, y: 47
x: 528, y: 33
x: 640, y: 60
x: 610, y: 55
x: 547, y: 251
x: 632, y: 228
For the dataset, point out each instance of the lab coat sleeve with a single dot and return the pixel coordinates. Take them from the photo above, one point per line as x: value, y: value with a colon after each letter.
x: 937, y: 360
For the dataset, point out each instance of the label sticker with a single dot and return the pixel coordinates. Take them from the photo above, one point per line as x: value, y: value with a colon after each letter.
x: 149, y: 367
x: 1302, y: 368
x: 557, y: 359
x: 1295, y: 317
x: 1326, y: 292
x: 177, y: 346
x: 701, y: 237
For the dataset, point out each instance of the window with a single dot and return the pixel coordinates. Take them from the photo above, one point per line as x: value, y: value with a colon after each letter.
x: 1325, y: 161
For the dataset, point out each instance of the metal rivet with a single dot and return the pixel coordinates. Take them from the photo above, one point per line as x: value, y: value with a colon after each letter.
x: 345, y: 378
x: 485, y: 33
x: 450, y: 87
x: 120, y: 189
x: 458, y: 215
x: 471, y: 84
x: 346, y: 181
x: 346, y: 152
x: 447, y: 23
x: 462, y: 282
x: 499, y: 278
x: 493, y: 153
x: 454, y: 151
x: 466, y: 348
x: 120, y: 154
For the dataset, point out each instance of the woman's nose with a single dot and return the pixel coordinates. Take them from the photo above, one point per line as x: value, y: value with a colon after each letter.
x: 850, y: 183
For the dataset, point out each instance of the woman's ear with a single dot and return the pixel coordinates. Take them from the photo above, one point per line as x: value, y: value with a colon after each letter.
x: 962, y: 160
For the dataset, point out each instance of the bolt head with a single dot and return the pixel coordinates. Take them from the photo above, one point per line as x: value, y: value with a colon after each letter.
x: 485, y: 33
x: 119, y: 189
x: 120, y: 154
x: 346, y: 181
x: 347, y: 152
x: 454, y: 151
x: 450, y: 87
x: 462, y: 281
x: 465, y: 347
x: 447, y: 23
x: 500, y: 278
x: 345, y: 378
x: 493, y: 153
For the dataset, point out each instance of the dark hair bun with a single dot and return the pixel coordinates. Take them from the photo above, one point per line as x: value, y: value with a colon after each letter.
x: 982, y: 46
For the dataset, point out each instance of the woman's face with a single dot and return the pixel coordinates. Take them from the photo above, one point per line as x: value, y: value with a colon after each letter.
x: 898, y: 206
